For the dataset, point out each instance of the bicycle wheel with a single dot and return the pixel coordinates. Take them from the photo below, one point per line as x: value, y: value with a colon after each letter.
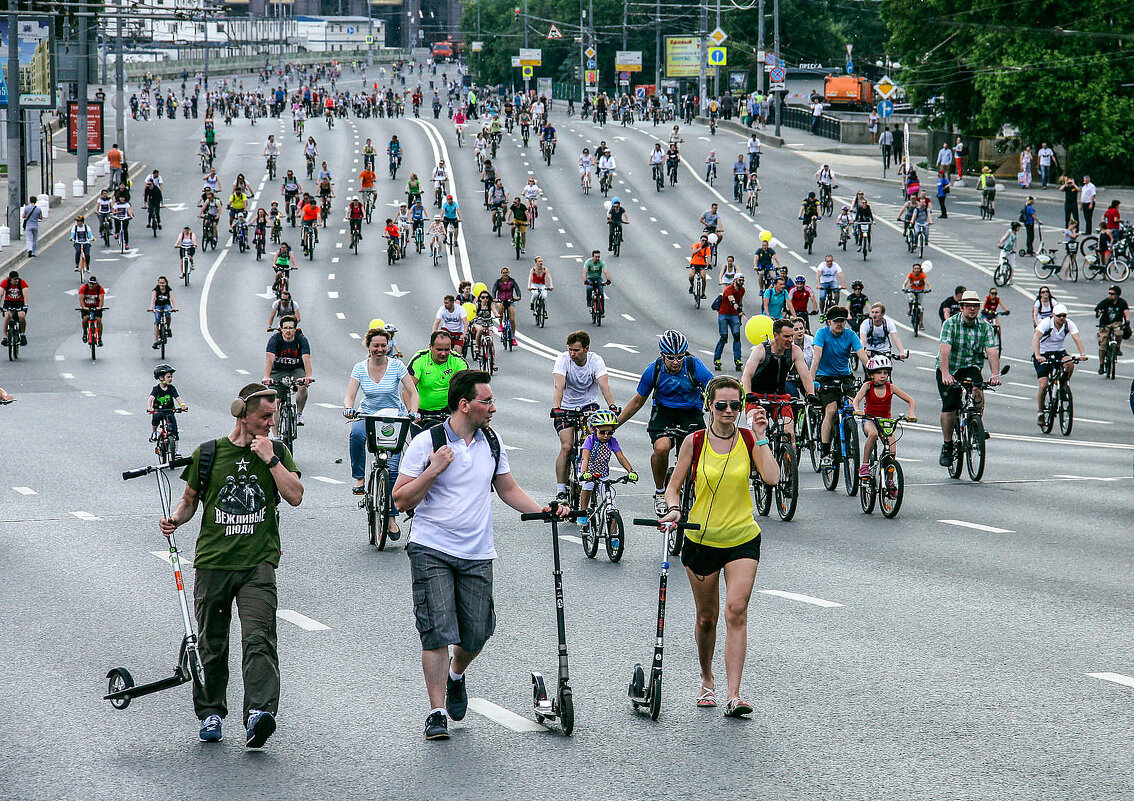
x: 1050, y: 409
x: 891, y: 487
x: 1066, y: 410
x: 957, y: 460
x: 787, y: 490
x: 831, y: 474
x: 1111, y: 360
x: 1002, y: 274
x: 814, y: 428
x: 761, y: 495
x: 1044, y: 271
x: 975, y: 448
x: 915, y: 319
x: 615, y: 536
x: 286, y: 427
x: 1117, y: 270
x: 92, y: 340
x: 379, y: 507
x: 868, y: 492
x: 698, y: 284
x: 590, y: 533
x: 850, y: 456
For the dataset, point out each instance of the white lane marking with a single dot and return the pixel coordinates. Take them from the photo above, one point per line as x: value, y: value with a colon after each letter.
x: 562, y: 231
x: 328, y: 405
x: 978, y: 526
x: 627, y: 317
x: 338, y: 244
x: 1117, y: 678
x: 653, y: 219
x: 327, y: 480
x: 203, y: 308
x: 663, y: 233
x: 25, y: 490
x: 1076, y: 443
x: 164, y: 556
x: 505, y: 717
x: 677, y: 246
x: 241, y: 371
x: 1082, y: 478
x: 1096, y: 422
x: 355, y: 336
x: 571, y: 538
x: 525, y: 400
x: 333, y: 295
x: 330, y: 276
x: 122, y: 412
x: 440, y: 151
x: 87, y: 393
x: 303, y: 621
x: 340, y: 315
x: 66, y: 375
x: 335, y: 260
x: 807, y: 599
x: 60, y: 357
x: 85, y: 515
x: 797, y: 256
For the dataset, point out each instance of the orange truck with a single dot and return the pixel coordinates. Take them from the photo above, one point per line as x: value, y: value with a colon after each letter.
x: 849, y: 91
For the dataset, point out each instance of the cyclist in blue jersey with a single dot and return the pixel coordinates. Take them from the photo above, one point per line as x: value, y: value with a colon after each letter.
x: 776, y: 299
x: 834, y: 345
x: 417, y: 217
x: 450, y: 214
x: 677, y: 379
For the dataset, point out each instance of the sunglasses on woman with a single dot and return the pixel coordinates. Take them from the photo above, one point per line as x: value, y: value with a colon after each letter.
x: 720, y: 406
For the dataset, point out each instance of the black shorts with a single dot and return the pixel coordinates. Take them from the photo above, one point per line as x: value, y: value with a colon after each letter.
x: 563, y: 422
x: 831, y: 394
x: 705, y: 560
x: 951, y: 396
x: 662, y: 418
x: 1044, y: 367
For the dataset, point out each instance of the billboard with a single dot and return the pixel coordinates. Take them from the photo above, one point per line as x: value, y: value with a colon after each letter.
x: 95, y: 142
x: 37, y: 63
x: 683, y: 57
x: 628, y: 60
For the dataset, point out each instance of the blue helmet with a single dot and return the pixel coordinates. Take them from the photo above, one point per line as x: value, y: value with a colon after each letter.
x: 614, y: 200
x: 673, y: 343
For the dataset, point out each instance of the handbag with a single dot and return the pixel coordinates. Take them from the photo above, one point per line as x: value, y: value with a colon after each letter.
x: 1020, y: 177
x: 716, y: 304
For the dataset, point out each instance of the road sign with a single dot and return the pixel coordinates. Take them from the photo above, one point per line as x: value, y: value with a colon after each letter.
x: 624, y: 77
x: 592, y: 76
x: 590, y: 52
x: 628, y: 60
x: 370, y: 40
x: 777, y: 75
x: 718, y: 56
x: 350, y: 30
x: 531, y: 57
x: 554, y: 33
x: 515, y: 61
x: 718, y: 37
x: 591, y: 63
x: 850, y: 67
x: 885, y: 87
x: 640, y: 92
x: 526, y: 71
x: 776, y: 86
x: 477, y: 47
x: 885, y: 108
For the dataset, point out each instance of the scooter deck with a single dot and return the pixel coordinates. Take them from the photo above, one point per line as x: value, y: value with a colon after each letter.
x: 139, y: 690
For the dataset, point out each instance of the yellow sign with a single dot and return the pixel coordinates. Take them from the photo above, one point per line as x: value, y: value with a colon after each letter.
x: 718, y: 37
x: 531, y: 56
x: 682, y: 57
x: 592, y: 76
x: 885, y: 87
x: 526, y: 71
x: 628, y: 60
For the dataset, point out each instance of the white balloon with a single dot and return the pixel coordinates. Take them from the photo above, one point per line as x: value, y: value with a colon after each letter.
x: 927, y: 265
x: 713, y: 239
x: 606, y: 205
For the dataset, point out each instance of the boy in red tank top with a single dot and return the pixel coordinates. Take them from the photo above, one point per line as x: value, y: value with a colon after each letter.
x: 874, y: 400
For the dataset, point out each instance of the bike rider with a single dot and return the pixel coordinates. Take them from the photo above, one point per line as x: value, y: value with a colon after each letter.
x: 616, y: 217
x: 92, y: 299
x: 856, y: 305
x: 711, y: 220
x: 355, y: 215
x: 432, y: 370
x: 677, y: 379
x: 874, y: 399
x: 700, y: 258
x: 586, y: 161
x: 1113, y: 314
x: 879, y: 336
x: 830, y: 368
x: 808, y: 211
x: 992, y: 308
x: 103, y: 208
x: 288, y: 353
x: 767, y: 369
x: 394, y: 150
x: 1049, y: 346
x: 829, y: 276
x: 672, y: 160
x: 966, y: 341
x: 532, y: 193
x: 271, y: 148
x: 518, y: 220
x: 290, y: 190
x: 487, y: 179
x: 656, y: 160
x: 825, y: 178
x: 507, y: 293
x: 81, y: 237
x: 436, y: 232
x: 539, y: 283
x: 764, y: 259
x: 606, y: 166
x: 162, y: 401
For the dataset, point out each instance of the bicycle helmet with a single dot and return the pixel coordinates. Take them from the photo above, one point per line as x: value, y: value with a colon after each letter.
x: 846, y: 208
x: 602, y: 418
x: 879, y: 363
x: 673, y: 343
x: 437, y: 216
x: 162, y: 369
x: 856, y: 285
x: 799, y: 279
x: 92, y: 280
x: 1117, y: 290
x: 614, y: 200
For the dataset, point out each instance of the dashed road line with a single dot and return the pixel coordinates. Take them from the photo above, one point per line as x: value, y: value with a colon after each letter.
x: 977, y: 526
x: 1117, y: 678
x: 505, y: 717
x: 85, y: 515
x: 807, y: 599
x: 327, y: 480
x: 303, y: 621
x: 25, y: 490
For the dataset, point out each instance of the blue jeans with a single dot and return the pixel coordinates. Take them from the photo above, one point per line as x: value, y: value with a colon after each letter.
x: 358, y: 458
x: 1045, y: 174
x: 726, y: 323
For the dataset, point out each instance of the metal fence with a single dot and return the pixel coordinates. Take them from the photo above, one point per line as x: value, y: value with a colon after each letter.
x: 800, y: 117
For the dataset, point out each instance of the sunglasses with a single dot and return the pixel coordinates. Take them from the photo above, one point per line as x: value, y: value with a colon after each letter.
x: 1060, y: 315
x: 720, y: 406
x: 993, y: 294
x: 674, y: 358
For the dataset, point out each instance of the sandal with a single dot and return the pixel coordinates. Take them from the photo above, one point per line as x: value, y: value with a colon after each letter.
x: 707, y: 698
x: 358, y: 490
x: 736, y: 708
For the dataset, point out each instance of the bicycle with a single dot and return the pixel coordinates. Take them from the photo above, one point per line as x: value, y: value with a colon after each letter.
x: 844, y: 235
x: 240, y: 232
x: 987, y: 204
x: 507, y: 332
x: 90, y: 333
x: 659, y: 177
x: 671, y: 172
x: 968, y: 431
x: 844, y: 441
x: 485, y: 351
x: 435, y: 250
x: 105, y: 229
x: 598, y: 301
x: 1003, y: 272
x: 885, y: 484
x: 271, y: 168
x: 282, y: 285
x: 739, y: 182
x: 385, y: 437
x: 786, y: 492
x: 810, y: 231
x: 1117, y: 264
x: 546, y: 149
x: 84, y: 264
x: 1110, y: 351
x: 616, y: 241
x: 685, y: 499
x: 698, y: 286
x: 577, y: 418
x: 1057, y: 399
x: 711, y: 174
x: 154, y: 219
x: 753, y: 200
x: 12, y: 332
x: 165, y: 330
x: 518, y: 239
x: 307, y: 241
x: 807, y: 437
x: 324, y: 209
x: 209, y: 233
x: 826, y: 204
x: 604, y: 521
x: 586, y: 182
x: 287, y: 414
x: 368, y: 200
x: 310, y: 167
x: 863, y: 235
x: 914, y: 310
x: 605, y: 180
x: 395, y: 162
x: 355, y: 236
x: 497, y: 220
x: 165, y: 443
x: 539, y: 308
x: 393, y: 250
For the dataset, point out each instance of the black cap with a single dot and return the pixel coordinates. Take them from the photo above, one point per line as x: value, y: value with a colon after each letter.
x: 836, y: 313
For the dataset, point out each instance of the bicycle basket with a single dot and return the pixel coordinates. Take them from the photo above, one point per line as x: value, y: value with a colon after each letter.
x: 890, y: 428
x: 385, y: 432
x: 1072, y: 246
x: 1091, y: 259
x: 1044, y: 258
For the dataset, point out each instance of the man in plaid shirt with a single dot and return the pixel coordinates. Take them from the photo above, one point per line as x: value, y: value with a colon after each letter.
x: 966, y: 341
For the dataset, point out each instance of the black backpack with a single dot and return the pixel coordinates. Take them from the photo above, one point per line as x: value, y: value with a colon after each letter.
x: 689, y: 368
x: 209, y: 458
x: 440, y: 439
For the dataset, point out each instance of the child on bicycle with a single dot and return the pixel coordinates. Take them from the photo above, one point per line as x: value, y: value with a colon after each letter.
x: 874, y: 399
x: 436, y: 233
x: 594, y: 458
x: 163, y: 400
x: 283, y: 264
x: 482, y: 322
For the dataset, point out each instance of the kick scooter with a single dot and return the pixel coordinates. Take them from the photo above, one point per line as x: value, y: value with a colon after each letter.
x: 649, y: 695
x: 120, y: 687
x: 562, y: 706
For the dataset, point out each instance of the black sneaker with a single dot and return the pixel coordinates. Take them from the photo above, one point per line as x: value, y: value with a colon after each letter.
x: 260, y: 727
x: 23, y: 341
x: 946, y: 457
x: 436, y: 726
x: 457, y: 698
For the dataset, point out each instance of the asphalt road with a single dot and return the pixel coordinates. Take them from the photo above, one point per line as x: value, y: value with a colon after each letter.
x: 947, y: 653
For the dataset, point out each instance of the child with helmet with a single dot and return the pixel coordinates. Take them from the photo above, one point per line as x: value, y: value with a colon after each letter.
x: 874, y: 400
x: 597, y: 449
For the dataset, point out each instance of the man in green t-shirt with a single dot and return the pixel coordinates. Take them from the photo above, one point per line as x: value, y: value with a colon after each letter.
x: 432, y: 369
x: 238, y: 551
x: 597, y: 276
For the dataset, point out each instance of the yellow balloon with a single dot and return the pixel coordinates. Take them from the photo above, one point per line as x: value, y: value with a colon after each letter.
x: 765, y: 236
x: 758, y: 329
x: 479, y: 287
x: 470, y: 310
x: 377, y: 322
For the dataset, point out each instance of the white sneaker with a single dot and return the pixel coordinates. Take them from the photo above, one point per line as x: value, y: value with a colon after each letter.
x: 660, y: 507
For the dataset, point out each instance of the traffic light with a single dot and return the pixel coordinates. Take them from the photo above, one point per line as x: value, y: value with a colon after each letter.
x: 517, y: 15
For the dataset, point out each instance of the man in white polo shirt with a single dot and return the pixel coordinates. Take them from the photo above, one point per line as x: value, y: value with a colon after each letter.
x: 451, y: 547
x: 452, y: 318
x: 577, y: 376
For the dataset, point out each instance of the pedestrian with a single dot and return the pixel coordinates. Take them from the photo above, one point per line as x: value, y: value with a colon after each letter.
x: 1070, y: 199
x: 945, y: 158
x: 730, y: 308
x: 114, y: 157
x: 886, y: 140
x: 958, y: 160
x: 1025, y: 176
x: 899, y: 144
x: 1087, y: 193
x: 236, y: 556
x: 942, y: 192
x: 722, y: 459
x: 1029, y: 219
x: 1112, y: 217
x: 30, y: 216
x: 1045, y: 155
x: 816, y: 114
x: 872, y: 125
x: 451, y: 546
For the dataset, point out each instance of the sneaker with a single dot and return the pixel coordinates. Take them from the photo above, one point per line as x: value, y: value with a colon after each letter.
x: 946, y: 457
x: 23, y: 341
x: 299, y: 419
x: 456, y: 698
x: 85, y: 342
x: 739, y: 365
x: 436, y: 727
x: 260, y: 727
x: 736, y: 708
x: 1039, y: 418
x: 660, y: 506
x: 155, y: 346
x: 211, y: 729
x: 864, y: 471
x: 716, y: 364
x: 153, y: 437
x: 562, y: 497
x: 826, y: 463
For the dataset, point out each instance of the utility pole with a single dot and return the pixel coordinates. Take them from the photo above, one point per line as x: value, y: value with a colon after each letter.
x: 526, y: 25
x: 205, y: 23
x: 717, y: 73
x: 15, y: 164
x: 657, y: 48
x: 776, y: 35
x: 119, y: 85
x: 702, y: 83
x: 625, y: 14
x: 582, y: 56
x: 81, y: 127
x: 760, y: 49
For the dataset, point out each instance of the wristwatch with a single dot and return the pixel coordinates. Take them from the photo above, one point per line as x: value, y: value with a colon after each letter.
x: 275, y: 460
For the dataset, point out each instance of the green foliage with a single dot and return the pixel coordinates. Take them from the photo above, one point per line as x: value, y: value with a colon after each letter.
x: 988, y: 64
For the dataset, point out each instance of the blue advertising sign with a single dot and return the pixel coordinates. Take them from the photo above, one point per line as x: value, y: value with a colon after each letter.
x: 37, y: 62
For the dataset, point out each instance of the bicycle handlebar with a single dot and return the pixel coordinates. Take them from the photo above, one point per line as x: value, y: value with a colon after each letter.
x: 642, y: 521
x: 548, y: 517
x: 184, y: 461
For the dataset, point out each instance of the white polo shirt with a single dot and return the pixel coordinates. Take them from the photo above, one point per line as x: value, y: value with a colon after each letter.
x: 455, y: 516
x: 1052, y: 338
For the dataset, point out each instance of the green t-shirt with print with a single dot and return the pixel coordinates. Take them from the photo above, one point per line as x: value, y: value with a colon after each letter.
x: 433, y: 379
x: 239, y: 527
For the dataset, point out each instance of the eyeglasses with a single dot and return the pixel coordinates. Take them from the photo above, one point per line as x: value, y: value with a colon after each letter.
x: 720, y: 406
x: 485, y: 401
x: 680, y: 358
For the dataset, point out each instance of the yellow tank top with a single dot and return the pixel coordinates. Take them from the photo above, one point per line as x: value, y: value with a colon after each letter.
x: 723, y: 503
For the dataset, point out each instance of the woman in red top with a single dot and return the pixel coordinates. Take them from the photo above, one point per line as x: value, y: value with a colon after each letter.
x: 1111, y: 216
x: 873, y: 400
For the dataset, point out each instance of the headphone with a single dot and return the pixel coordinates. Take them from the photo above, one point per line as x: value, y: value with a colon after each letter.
x: 239, y: 404
x: 714, y: 382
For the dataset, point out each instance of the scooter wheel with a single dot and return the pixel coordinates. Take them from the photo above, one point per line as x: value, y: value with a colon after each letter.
x: 196, y: 669
x: 637, y: 687
x: 118, y: 680
x: 655, y: 697
x: 566, y: 711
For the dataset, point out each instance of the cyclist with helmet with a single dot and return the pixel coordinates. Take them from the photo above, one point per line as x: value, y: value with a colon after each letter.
x: 15, y: 292
x: 163, y: 400
x: 857, y: 302
x: 91, y: 297
x: 801, y: 297
x: 616, y: 217
x: 834, y: 345
x: 765, y: 259
x: 677, y: 380
x: 874, y: 400
x: 594, y: 456
x: 1113, y: 314
x: 809, y: 210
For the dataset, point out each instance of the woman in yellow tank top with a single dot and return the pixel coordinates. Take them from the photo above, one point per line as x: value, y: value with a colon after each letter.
x: 729, y: 538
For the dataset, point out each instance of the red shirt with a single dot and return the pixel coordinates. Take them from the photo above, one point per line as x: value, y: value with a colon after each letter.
x: 310, y: 212
x: 1111, y: 216
x: 393, y: 232
x: 799, y: 298
x: 89, y: 297
x: 14, y: 293
x: 878, y: 406
x: 732, y: 300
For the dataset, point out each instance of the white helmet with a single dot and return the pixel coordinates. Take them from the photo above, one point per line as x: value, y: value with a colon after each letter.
x: 879, y: 363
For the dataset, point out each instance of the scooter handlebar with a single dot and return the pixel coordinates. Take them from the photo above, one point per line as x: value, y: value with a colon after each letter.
x: 639, y: 521
x: 184, y: 461
x: 548, y: 516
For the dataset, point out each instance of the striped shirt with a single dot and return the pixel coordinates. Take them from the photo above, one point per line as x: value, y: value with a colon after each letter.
x: 386, y: 394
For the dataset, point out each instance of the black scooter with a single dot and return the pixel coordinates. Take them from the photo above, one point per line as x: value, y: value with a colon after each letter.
x: 643, y: 694
x: 562, y: 706
x: 120, y: 686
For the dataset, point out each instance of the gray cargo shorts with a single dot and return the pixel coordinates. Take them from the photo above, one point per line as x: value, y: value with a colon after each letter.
x: 452, y: 599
